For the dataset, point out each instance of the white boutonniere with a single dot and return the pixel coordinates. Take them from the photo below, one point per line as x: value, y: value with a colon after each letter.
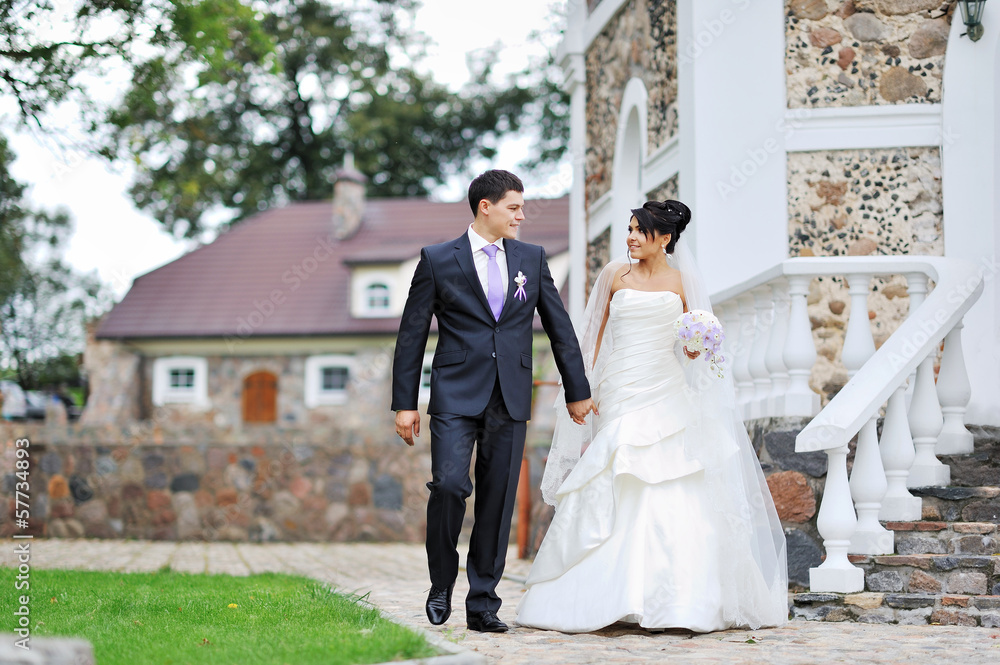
x: 520, y: 280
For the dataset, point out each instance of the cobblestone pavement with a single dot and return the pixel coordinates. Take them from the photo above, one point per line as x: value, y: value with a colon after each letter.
x: 395, y: 577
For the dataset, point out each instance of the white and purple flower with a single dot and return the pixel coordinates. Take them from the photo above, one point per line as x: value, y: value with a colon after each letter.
x: 700, y: 331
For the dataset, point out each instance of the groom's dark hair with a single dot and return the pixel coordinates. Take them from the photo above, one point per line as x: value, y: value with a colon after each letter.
x: 492, y: 185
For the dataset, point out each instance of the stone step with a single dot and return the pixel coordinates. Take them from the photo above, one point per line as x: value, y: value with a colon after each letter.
x: 960, y: 504
x: 955, y: 574
x: 901, y: 608
x: 981, y: 467
x: 930, y: 537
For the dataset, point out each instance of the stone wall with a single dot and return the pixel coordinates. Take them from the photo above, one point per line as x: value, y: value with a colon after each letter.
x: 640, y: 41
x: 284, y: 486
x: 598, y: 256
x: 113, y: 379
x: 328, y: 474
x: 865, y: 52
x: 668, y: 191
x: 857, y: 203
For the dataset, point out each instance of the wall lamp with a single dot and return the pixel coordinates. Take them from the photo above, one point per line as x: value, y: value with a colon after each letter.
x: 972, y: 14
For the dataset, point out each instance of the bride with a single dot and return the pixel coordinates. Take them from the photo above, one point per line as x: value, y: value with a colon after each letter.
x: 665, y: 520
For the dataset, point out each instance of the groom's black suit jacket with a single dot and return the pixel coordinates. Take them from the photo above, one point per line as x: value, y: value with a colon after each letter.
x: 472, y: 347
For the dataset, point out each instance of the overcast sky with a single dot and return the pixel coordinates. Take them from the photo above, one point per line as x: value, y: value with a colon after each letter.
x: 120, y: 243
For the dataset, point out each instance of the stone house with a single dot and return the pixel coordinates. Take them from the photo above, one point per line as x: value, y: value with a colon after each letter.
x: 860, y: 130
x: 242, y: 390
x: 287, y: 319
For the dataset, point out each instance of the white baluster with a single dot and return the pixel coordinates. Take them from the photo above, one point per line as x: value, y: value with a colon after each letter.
x: 775, y: 349
x: 924, y: 415
x: 916, y: 287
x: 758, y: 353
x: 729, y: 318
x: 896, y: 447
x: 868, y: 486
x: 836, y: 523
x: 741, y: 359
x: 954, y: 393
x: 858, y: 343
x: 800, y: 351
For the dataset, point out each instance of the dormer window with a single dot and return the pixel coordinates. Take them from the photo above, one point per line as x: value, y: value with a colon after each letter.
x: 377, y: 297
x: 375, y: 291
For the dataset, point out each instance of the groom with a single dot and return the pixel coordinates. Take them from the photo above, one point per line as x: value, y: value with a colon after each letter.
x: 484, y: 288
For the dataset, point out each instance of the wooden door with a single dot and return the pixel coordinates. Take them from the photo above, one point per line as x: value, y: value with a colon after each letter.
x: 260, y: 398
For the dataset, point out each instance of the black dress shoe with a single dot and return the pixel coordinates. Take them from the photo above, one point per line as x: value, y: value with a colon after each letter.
x: 485, y: 622
x: 439, y: 604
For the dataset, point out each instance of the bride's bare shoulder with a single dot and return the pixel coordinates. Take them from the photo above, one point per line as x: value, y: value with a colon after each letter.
x: 617, y: 282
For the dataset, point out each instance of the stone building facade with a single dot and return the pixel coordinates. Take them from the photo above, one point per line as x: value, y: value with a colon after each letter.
x: 795, y: 128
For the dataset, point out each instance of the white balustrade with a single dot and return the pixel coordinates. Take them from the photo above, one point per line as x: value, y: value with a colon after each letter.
x: 764, y: 310
x: 954, y: 393
x: 771, y: 351
x: 775, y: 350
x: 896, y: 446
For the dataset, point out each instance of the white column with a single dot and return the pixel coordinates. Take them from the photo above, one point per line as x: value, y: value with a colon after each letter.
x: 571, y: 58
x: 897, y: 457
x: 954, y: 392
x: 775, y: 350
x: 741, y: 357
x: 836, y: 523
x: 758, y: 352
x: 925, y: 410
x: 800, y: 351
x: 868, y: 486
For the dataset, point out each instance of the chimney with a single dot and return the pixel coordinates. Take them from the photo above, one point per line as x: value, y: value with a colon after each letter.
x: 348, y: 199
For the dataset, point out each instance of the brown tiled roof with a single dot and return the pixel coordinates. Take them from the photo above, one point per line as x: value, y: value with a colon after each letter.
x: 209, y: 291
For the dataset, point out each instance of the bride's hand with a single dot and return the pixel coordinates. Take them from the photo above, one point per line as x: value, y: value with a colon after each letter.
x: 691, y: 354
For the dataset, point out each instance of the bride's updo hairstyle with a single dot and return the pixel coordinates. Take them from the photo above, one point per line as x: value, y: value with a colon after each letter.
x: 663, y: 217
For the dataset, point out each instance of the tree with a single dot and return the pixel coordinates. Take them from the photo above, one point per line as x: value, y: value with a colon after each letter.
x: 237, y: 105
x: 271, y: 121
x: 44, y: 304
x: 46, y: 50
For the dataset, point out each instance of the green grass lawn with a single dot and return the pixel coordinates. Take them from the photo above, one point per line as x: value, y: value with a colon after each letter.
x: 176, y: 618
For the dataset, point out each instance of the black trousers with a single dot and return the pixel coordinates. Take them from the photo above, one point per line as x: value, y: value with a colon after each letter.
x: 499, y: 445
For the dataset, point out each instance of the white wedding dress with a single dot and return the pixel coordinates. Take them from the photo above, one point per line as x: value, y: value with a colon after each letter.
x: 641, y: 533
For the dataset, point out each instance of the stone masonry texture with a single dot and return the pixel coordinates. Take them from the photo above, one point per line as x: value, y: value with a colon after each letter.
x: 640, y: 41
x: 865, y: 52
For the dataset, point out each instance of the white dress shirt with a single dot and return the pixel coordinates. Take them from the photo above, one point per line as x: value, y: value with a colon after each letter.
x: 482, y: 260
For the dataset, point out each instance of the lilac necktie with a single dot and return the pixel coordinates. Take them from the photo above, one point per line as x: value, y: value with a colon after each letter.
x: 494, y: 291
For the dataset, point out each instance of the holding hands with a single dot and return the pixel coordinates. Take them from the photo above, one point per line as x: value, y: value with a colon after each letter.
x: 578, y: 410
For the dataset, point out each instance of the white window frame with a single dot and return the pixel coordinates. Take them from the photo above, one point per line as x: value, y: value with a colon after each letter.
x: 195, y: 395
x: 315, y: 395
x: 362, y: 282
x: 424, y: 394
x: 385, y: 290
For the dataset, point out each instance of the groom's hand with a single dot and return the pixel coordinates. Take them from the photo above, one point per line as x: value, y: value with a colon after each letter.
x: 578, y: 410
x: 408, y: 425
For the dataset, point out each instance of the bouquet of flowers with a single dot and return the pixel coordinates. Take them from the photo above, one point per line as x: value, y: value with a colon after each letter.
x: 700, y: 331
